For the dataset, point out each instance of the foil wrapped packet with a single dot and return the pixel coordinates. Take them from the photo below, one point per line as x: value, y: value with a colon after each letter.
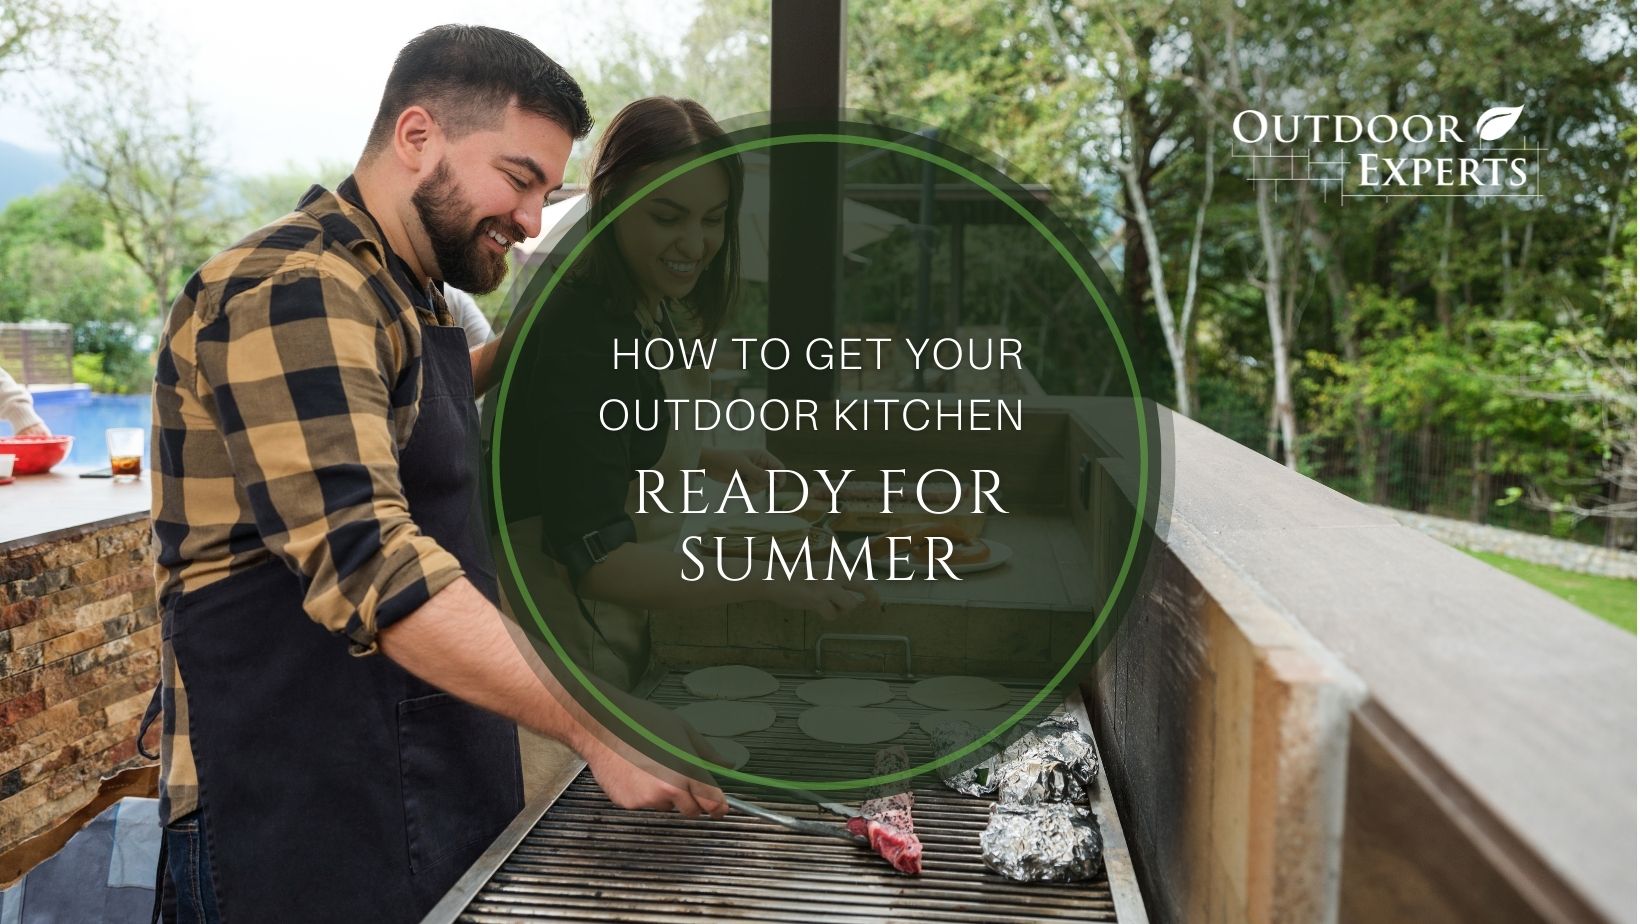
x: 1034, y: 780
x: 974, y: 774
x: 1049, y: 842
x: 1058, y: 739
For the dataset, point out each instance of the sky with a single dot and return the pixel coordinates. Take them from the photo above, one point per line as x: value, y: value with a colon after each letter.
x: 296, y: 83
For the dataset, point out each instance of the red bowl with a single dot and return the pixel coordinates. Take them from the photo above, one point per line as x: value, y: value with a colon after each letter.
x: 35, y: 454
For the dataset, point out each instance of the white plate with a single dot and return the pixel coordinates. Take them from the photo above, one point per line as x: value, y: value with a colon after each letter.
x: 1000, y: 553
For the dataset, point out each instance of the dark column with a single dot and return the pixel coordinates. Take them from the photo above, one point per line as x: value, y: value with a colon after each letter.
x: 807, y: 61
x: 955, y: 315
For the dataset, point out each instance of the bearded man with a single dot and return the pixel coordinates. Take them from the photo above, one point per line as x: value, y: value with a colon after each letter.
x: 339, y: 691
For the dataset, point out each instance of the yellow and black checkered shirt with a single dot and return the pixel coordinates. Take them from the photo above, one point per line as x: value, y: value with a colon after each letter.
x: 286, y: 383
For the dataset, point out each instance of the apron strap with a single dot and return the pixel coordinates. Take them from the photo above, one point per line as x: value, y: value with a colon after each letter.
x: 148, y: 717
x: 580, y: 555
x: 164, y: 898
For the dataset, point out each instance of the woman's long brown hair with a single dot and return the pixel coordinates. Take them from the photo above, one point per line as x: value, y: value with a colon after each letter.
x: 646, y: 132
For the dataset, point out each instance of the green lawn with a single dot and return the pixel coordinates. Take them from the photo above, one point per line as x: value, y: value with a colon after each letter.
x: 1612, y: 599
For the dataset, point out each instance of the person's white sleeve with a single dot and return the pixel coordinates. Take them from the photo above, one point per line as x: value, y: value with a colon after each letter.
x: 468, y: 315
x: 16, y: 404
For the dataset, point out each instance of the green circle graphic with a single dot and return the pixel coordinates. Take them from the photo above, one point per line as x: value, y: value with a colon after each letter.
x: 1081, y: 275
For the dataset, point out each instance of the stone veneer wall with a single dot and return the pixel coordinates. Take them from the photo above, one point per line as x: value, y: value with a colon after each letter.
x: 79, y: 656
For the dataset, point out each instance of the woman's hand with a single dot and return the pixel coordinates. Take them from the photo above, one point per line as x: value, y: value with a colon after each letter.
x: 752, y: 465
x: 38, y: 429
x: 829, y: 599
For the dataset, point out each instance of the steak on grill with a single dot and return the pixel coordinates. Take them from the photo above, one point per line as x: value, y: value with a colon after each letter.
x: 886, y: 817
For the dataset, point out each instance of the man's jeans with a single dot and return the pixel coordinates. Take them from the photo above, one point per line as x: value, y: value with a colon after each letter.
x: 190, y: 872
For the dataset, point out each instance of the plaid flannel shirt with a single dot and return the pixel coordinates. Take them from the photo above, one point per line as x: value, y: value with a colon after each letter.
x: 286, y: 383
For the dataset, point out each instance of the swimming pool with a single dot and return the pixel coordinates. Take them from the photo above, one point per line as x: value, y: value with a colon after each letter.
x: 85, y: 415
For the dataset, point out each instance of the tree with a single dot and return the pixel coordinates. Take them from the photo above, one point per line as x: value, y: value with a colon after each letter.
x: 147, y: 165
x: 723, y: 64
x: 261, y: 199
x: 1142, y: 80
x: 65, y: 37
x: 67, y: 214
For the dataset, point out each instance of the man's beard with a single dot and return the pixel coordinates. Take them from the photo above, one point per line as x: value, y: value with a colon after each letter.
x: 464, y: 261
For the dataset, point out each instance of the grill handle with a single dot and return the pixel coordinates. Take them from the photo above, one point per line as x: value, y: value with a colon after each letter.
x: 820, y: 647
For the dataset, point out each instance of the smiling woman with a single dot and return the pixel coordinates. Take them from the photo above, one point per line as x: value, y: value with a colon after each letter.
x: 662, y: 274
x: 667, y: 245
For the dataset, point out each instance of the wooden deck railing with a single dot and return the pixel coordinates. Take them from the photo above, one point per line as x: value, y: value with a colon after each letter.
x: 1316, y: 714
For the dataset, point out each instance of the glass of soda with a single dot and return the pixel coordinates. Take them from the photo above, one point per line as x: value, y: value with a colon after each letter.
x: 125, y: 453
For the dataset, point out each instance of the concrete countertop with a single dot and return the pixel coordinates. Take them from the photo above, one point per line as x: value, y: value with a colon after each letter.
x: 38, y: 508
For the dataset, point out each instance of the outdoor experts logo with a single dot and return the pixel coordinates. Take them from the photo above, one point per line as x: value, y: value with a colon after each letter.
x: 1383, y: 156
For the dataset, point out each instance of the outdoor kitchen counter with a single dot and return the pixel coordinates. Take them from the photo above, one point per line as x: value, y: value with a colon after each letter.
x: 1048, y: 569
x: 40, y: 508
x: 79, y: 642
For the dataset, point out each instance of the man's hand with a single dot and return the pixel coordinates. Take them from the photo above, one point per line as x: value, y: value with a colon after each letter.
x: 636, y: 782
x: 459, y: 643
x: 646, y: 785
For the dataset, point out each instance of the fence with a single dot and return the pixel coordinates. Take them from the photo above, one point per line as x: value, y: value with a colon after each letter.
x: 38, y: 353
x: 1446, y: 475
x: 1431, y: 472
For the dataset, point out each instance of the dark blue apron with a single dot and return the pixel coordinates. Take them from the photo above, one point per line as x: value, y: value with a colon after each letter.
x: 334, y: 787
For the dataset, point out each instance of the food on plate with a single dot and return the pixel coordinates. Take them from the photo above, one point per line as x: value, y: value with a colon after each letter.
x: 754, y: 535
x: 730, y: 681
x: 869, y: 505
x: 760, y: 546
x: 885, y: 818
x: 941, y: 540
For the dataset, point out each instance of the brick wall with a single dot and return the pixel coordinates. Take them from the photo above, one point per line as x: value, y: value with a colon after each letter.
x: 79, y: 655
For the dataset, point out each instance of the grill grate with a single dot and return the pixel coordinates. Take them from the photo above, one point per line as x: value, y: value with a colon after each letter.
x: 587, y: 860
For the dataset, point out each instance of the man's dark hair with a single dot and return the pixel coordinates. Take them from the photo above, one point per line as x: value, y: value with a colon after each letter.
x: 466, y: 75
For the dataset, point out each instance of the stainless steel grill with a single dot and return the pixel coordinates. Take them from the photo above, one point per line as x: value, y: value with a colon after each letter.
x: 574, y: 856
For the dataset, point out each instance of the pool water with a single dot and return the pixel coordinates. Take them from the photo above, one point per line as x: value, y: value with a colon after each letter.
x: 84, y: 415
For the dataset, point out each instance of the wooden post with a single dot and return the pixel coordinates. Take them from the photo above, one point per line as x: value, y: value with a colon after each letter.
x: 807, y: 58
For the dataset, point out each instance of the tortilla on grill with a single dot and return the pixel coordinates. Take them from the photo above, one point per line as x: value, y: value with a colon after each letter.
x: 851, y: 725
x: 730, y: 681
x: 725, y: 718
x: 982, y: 719
x: 958, y: 693
x: 845, y: 691
x: 734, y: 753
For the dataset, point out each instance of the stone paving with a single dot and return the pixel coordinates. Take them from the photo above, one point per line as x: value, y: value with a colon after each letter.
x: 1543, y: 550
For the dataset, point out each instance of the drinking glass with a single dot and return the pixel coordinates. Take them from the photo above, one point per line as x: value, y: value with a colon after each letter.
x: 125, y: 453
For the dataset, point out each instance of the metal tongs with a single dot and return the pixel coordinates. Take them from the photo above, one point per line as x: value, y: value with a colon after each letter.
x: 799, y: 824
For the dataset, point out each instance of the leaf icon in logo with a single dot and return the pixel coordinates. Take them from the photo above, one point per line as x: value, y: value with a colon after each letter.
x: 1496, y: 122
